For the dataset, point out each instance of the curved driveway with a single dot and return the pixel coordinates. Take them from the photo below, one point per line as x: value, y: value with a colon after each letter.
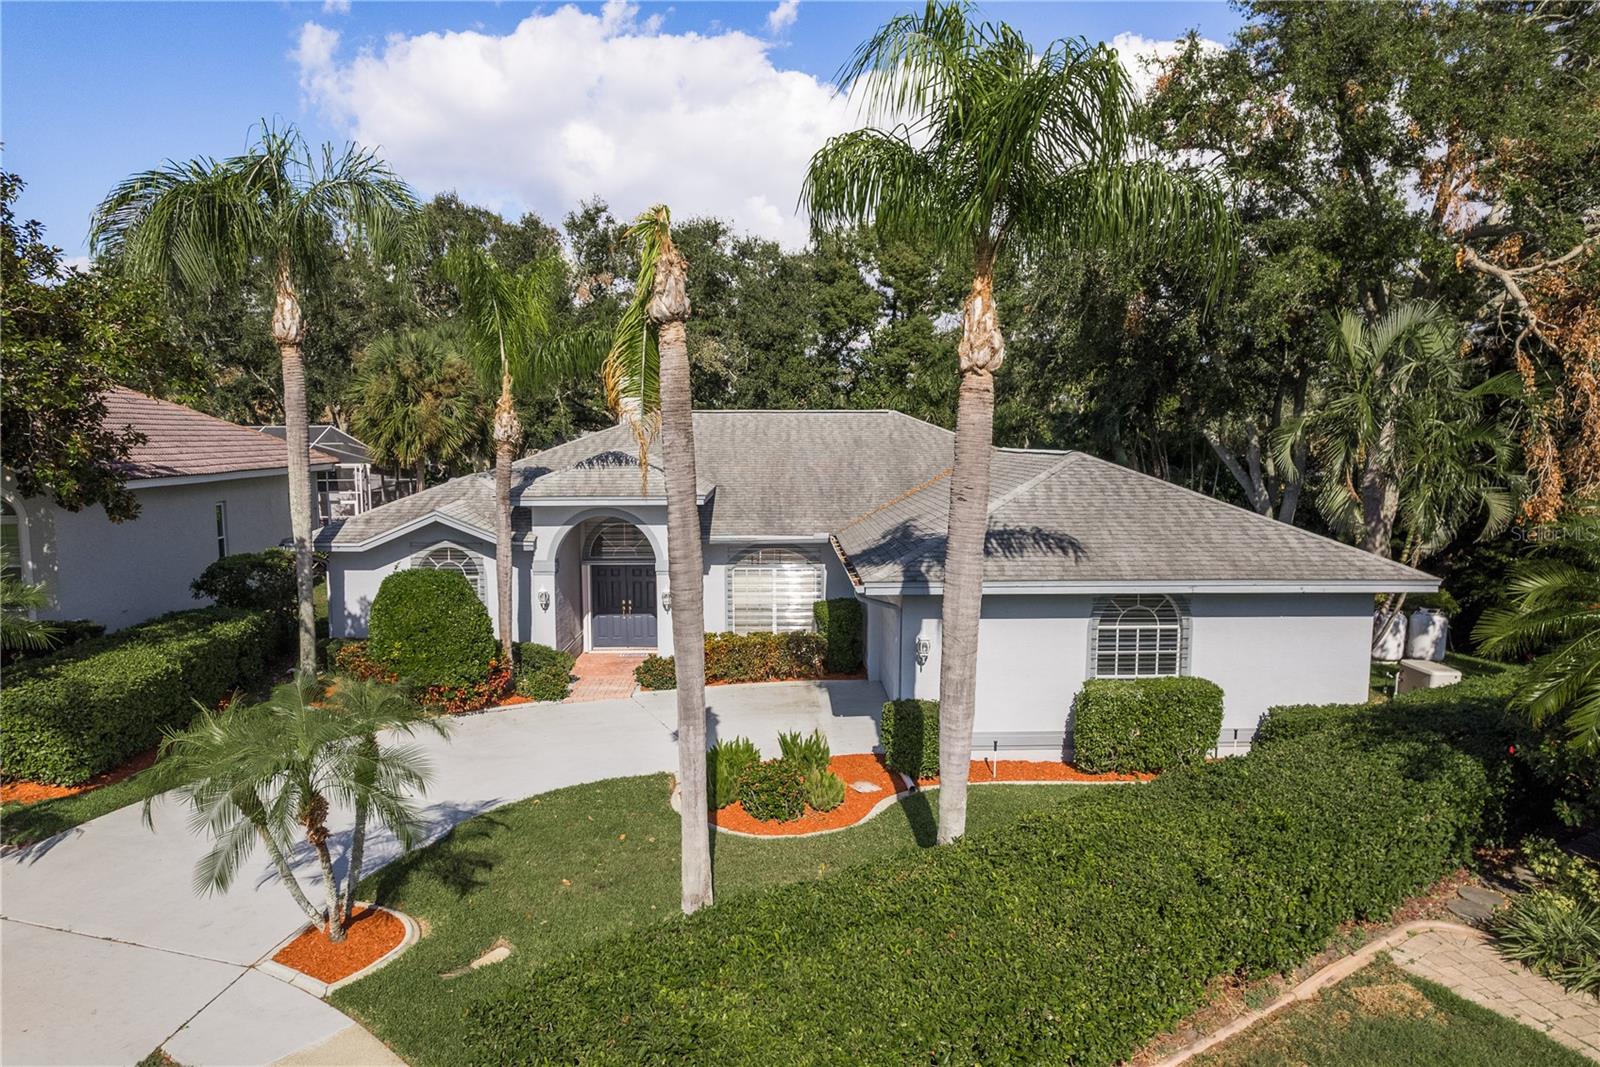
x: 106, y: 953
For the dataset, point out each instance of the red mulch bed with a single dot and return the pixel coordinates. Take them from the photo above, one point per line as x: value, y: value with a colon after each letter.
x: 868, y: 767
x: 21, y: 792
x: 370, y: 936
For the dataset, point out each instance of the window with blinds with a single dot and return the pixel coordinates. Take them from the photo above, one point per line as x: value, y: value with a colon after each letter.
x: 1139, y: 637
x: 773, y: 589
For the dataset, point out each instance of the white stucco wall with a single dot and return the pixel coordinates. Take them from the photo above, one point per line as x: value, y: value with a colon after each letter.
x: 1262, y: 649
x: 119, y: 574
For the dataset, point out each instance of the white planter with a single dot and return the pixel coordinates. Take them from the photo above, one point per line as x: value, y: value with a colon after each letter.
x: 1427, y: 635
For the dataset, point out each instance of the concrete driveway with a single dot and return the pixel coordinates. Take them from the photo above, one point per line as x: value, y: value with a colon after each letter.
x: 106, y: 952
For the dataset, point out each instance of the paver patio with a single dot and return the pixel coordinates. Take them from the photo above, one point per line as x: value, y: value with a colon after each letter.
x: 106, y: 953
x: 603, y: 676
x: 1464, y: 961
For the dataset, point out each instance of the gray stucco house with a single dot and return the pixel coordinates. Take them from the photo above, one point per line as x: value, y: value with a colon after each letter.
x: 206, y: 488
x: 1093, y: 570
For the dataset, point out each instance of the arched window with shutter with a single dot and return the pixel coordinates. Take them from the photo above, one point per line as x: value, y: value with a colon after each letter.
x: 451, y: 558
x: 1139, y: 637
x: 773, y: 589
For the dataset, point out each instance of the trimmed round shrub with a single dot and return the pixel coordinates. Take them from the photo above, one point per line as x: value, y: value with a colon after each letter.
x: 430, y: 629
x: 250, y: 581
x: 773, y: 791
x: 842, y: 624
x: 1144, y: 725
x: 726, y: 762
x: 656, y: 672
x: 824, y: 790
x: 910, y: 733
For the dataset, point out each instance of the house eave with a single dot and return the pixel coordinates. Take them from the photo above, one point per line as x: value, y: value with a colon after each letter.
x: 598, y: 501
x: 162, y: 480
x: 415, y: 524
x: 1102, y: 588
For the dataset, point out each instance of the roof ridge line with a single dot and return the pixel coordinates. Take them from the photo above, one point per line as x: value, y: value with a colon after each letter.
x: 1023, y: 486
x: 892, y: 501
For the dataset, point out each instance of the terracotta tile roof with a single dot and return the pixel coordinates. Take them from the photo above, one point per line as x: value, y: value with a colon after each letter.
x: 184, y: 442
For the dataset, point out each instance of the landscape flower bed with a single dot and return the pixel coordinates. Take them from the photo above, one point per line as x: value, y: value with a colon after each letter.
x: 373, y: 933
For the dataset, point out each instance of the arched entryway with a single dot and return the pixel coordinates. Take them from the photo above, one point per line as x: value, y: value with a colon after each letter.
x: 620, y: 586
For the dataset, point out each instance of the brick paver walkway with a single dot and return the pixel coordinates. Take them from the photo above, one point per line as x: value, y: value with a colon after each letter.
x: 1464, y: 961
x: 603, y: 676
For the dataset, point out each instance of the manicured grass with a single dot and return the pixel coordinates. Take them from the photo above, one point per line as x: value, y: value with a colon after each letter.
x: 563, y: 869
x: 1381, y: 1016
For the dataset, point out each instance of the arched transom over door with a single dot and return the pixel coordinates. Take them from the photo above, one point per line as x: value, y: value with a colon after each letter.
x: 621, y: 572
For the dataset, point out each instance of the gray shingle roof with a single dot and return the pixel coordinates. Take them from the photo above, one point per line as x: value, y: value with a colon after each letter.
x: 1068, y: 517
x: 183, y: 442
x: 878, y: 482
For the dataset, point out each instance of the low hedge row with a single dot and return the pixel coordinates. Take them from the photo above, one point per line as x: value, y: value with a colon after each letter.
x: 543, y: 673
x: 67, y: 717
x: 1131, y: 726
x: 1477, y: 704
x: 1070, y: 936
x: 755, y: 657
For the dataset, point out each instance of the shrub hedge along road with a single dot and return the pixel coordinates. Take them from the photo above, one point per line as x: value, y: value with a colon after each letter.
x: 1067, y: 937
x: 430, y: 629
x: 1149, y: 724
x: 67, y: 717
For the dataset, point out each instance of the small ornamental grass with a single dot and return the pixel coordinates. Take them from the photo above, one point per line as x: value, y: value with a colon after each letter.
x: 1136, y: 726
x: 726, y: 763
x: 1070, y: 936
x: 1554, y: 928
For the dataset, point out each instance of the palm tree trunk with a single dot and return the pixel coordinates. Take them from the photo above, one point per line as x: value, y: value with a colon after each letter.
x: 288, y: 331
x: 507, y: 436
x: 670, y: 307
x: 358, y: 841
x: 981, y: 351
x: 421, y: 474
x: 285, y: 873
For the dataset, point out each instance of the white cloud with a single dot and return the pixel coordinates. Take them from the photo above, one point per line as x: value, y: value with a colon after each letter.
x: 569, y: 105
x: 336, y: 7
x: 1141, y: 57
x: 782, y: 17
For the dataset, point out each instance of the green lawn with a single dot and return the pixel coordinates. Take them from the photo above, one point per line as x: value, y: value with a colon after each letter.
x: 1381, y: 1016
x: 555, y: 872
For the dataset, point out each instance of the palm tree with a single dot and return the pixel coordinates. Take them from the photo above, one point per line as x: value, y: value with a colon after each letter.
x: 19, y: 630
x: 1555, y: 610
x: 1404, y: 444
x: 646, y: 377
x: 987, y: 148
x: 520, y: 343
x: 202, y: 224
x: 257, y: 774
x: 415, y: 399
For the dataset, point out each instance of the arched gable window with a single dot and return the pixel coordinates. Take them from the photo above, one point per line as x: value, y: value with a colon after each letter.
x: 773, y: 588
x: 619, y: 540
x: 451, y: 558
x: 1139, y: 637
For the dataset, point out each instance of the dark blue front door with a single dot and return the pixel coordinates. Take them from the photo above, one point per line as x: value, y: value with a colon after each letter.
x: 622, y: 599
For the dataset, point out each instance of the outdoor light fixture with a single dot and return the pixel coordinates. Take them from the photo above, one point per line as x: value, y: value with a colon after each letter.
x: 666, y: 601
x: 544, y: 600
x: 924, y: 646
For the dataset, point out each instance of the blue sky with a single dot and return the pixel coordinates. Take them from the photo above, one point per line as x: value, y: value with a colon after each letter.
x: 90, y: 92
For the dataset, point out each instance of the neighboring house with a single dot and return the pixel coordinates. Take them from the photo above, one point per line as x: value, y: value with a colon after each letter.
x: 206, y: 488
x: 354, y: 484
x: 1093, y: 570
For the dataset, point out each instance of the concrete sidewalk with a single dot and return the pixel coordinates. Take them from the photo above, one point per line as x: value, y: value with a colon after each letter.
x: 106, y: 953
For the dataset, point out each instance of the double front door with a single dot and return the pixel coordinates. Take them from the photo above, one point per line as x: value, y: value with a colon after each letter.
x: 622, y: 605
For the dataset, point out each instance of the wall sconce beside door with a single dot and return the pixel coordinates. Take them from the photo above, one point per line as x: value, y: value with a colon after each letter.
x: 544, y: 600
x: 666, y: 601
x: 924, y: 647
